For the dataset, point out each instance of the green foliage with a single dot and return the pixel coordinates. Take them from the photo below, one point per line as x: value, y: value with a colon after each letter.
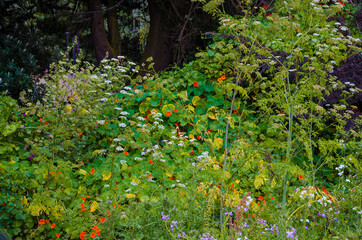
x: 170, y: 155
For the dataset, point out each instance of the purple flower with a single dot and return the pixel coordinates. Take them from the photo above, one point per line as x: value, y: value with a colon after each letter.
x: 245, y: 209
x: 306, y: 227
x: 165, y: 217
x: 290, y: 234
x: 31, y: 156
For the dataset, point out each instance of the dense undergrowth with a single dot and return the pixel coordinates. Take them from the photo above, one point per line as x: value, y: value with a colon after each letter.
x: 238, y: 144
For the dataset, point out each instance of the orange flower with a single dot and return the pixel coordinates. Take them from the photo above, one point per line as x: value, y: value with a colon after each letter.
x: 88, y: 196
x: 196, y: 84
x: 300, y: 176
x: 219, y: 80
x: 80, y: 133
x: 108, y: 213
x: 160, y: 104
x: 41, y: 222
x: 101, y: 219
x: 175, y: 111
x: 58, y: 235
x: 235, y: 111
x: 40, y: 119
x: 95, y: 228
x: 92, y: 170
x: 83, y: 209
x: 116, y: 187
x: 223, y: 77
x: 168, y: 114
x: 47, y: 220
x: 145, y: 86
x: 299, y: 30
x: 274, y: 19
x: 126, y: 153
x: 52, y: 226
x: 171, y: 178
x: 261, y: 198
x: 272, y: 199
x: 82, y: 237
x: 150, y: 162
x: 98, y: 232
x: 93, y: 235
x: 82, y: 204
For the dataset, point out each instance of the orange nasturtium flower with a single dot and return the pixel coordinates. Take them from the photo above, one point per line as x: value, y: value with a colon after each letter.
x: 196, y: 84
x: 41, y: 222
x: 150, y: 162
x: 272, y: 199
x: 92, y: 170
x: 299, y: 30
x: 300, y: 176
x: 175, y: 111
x: 168, y: 114
x: 58, y: 235
x: 126, y: 153
x: 98, y: 232
x: 83, y: 209
x: 80, y: 133
x: 145, y: 86
x: 47, y: 220
x: 95, y: 228
x: 108, y: 213
x: 82, y: 204
x: 261, y: 198
x: 93, y: 235
x: 52, y: 226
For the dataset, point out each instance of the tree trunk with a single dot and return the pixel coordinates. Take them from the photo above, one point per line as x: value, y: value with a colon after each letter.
x: 113, y: 29
x: 166, y: 18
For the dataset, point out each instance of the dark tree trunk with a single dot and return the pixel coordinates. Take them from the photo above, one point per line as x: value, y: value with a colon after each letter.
x: 113, y: 29
x: 101, y: 43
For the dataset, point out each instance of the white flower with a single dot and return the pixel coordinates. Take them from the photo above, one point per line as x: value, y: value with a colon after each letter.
x: 124, y: 113
x: 107, y: 93
x: 104, y: 61
x: 337, y: 23
x: 134, y: 184
x: 315, y: 34
x: 138, y: 158
x: 162, y: 160
x: 123, y: 117
x: 106, y: 185
x: 161, y: 127
x: 120, y: 57
x: 108, y: 81
x: 156, y: 123
x: 123, y: 162
x: 119, y: 148
x: 123, y: 92
x: 333, y: 62
x: 347, y: 180
x: 299, y: 34
x: 107, y: 67
x: 127, y: 88
x: 141, y: 119
x: 314, y: 40
x: 340, y: 173
x: 104, y: 75
x: 132, y: 63
x: 292, y: 70
x: 122, y: 125
x: 101, y: 122
x: 118, y: 108
x: 128, y: 190
x: 117, y: 140
x: 343, y: 28
x: 122, y: 70
x: 104, y: 99
x: 102, y: 152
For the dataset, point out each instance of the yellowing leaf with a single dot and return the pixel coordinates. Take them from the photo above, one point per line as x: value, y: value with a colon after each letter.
x: 24, y: 201
x: 84, y: 111
x: 68, y: 107
x: 144, y: 198
x: 83, y: 172
x: 94, y: 206
x: 183, y: 95
x: 217, y: 143
x: 260, y: 180
x: 191, y: 108
x: 191, y: 136
x: 106, y: 175
x: 168, y: 108
x: 195, y: 100
x: 130, y: 195
x: 95, y: 152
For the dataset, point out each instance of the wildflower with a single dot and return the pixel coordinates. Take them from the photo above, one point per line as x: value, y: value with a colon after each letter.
x: 272, y: 199
x: 299, y: 30
x: 108, y: 213
x: 168, y: 114
x: 126, y: 153
x: 119, y: 148
x: 82, y: 204
x: 52, y: 226
x: 261, y: 198
x: 95, y: 228
x: 92, y: 170
x: 57, y: 235
x: 150, y: 162
x: 175, y: 111
x: 80, y: 133
x: 83, y: 209
x: 41, y: 222
x: 219, y: 80
x: 98, y: 232
x: 300, y: 176
x: 196, y: 84
x: 47, y: 220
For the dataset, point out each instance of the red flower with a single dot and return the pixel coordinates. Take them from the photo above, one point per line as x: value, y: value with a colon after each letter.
x: 261, y: 198
x: 58, y: 235
x: 299, y: 30
x: 95, y: 228
x: 171, y: 178
x: 281, y: 111
x: 150, y: 162
x: 82, y: 204
x: 148, y: 112
x: 52, y: 226
x: 41, y: 222
x: 145, y: 86
x: 324, y: 188
x: 235, y: 111
x: 92, y: 170
x: 168, y: 114
x: 196, y: 84
x: 341, y: 2
x: 82, y: 237
x: 108, y: 213
x: 232, y: 185
x: 175, y: 111
x: 300, y: 176
x: 272, y: 199
x: 160, y: 104
x: 93, y: 235
x: 98, y: 232
x: 80, y: 133
x: 83, y: 209
x: 102, y: 219
x: 47, y: 220
x: 126, y: 153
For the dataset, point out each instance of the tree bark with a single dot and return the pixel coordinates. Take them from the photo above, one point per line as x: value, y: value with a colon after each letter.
x: 113, y: 28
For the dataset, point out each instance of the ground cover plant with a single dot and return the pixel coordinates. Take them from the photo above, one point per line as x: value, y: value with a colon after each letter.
x: 238, y: 144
